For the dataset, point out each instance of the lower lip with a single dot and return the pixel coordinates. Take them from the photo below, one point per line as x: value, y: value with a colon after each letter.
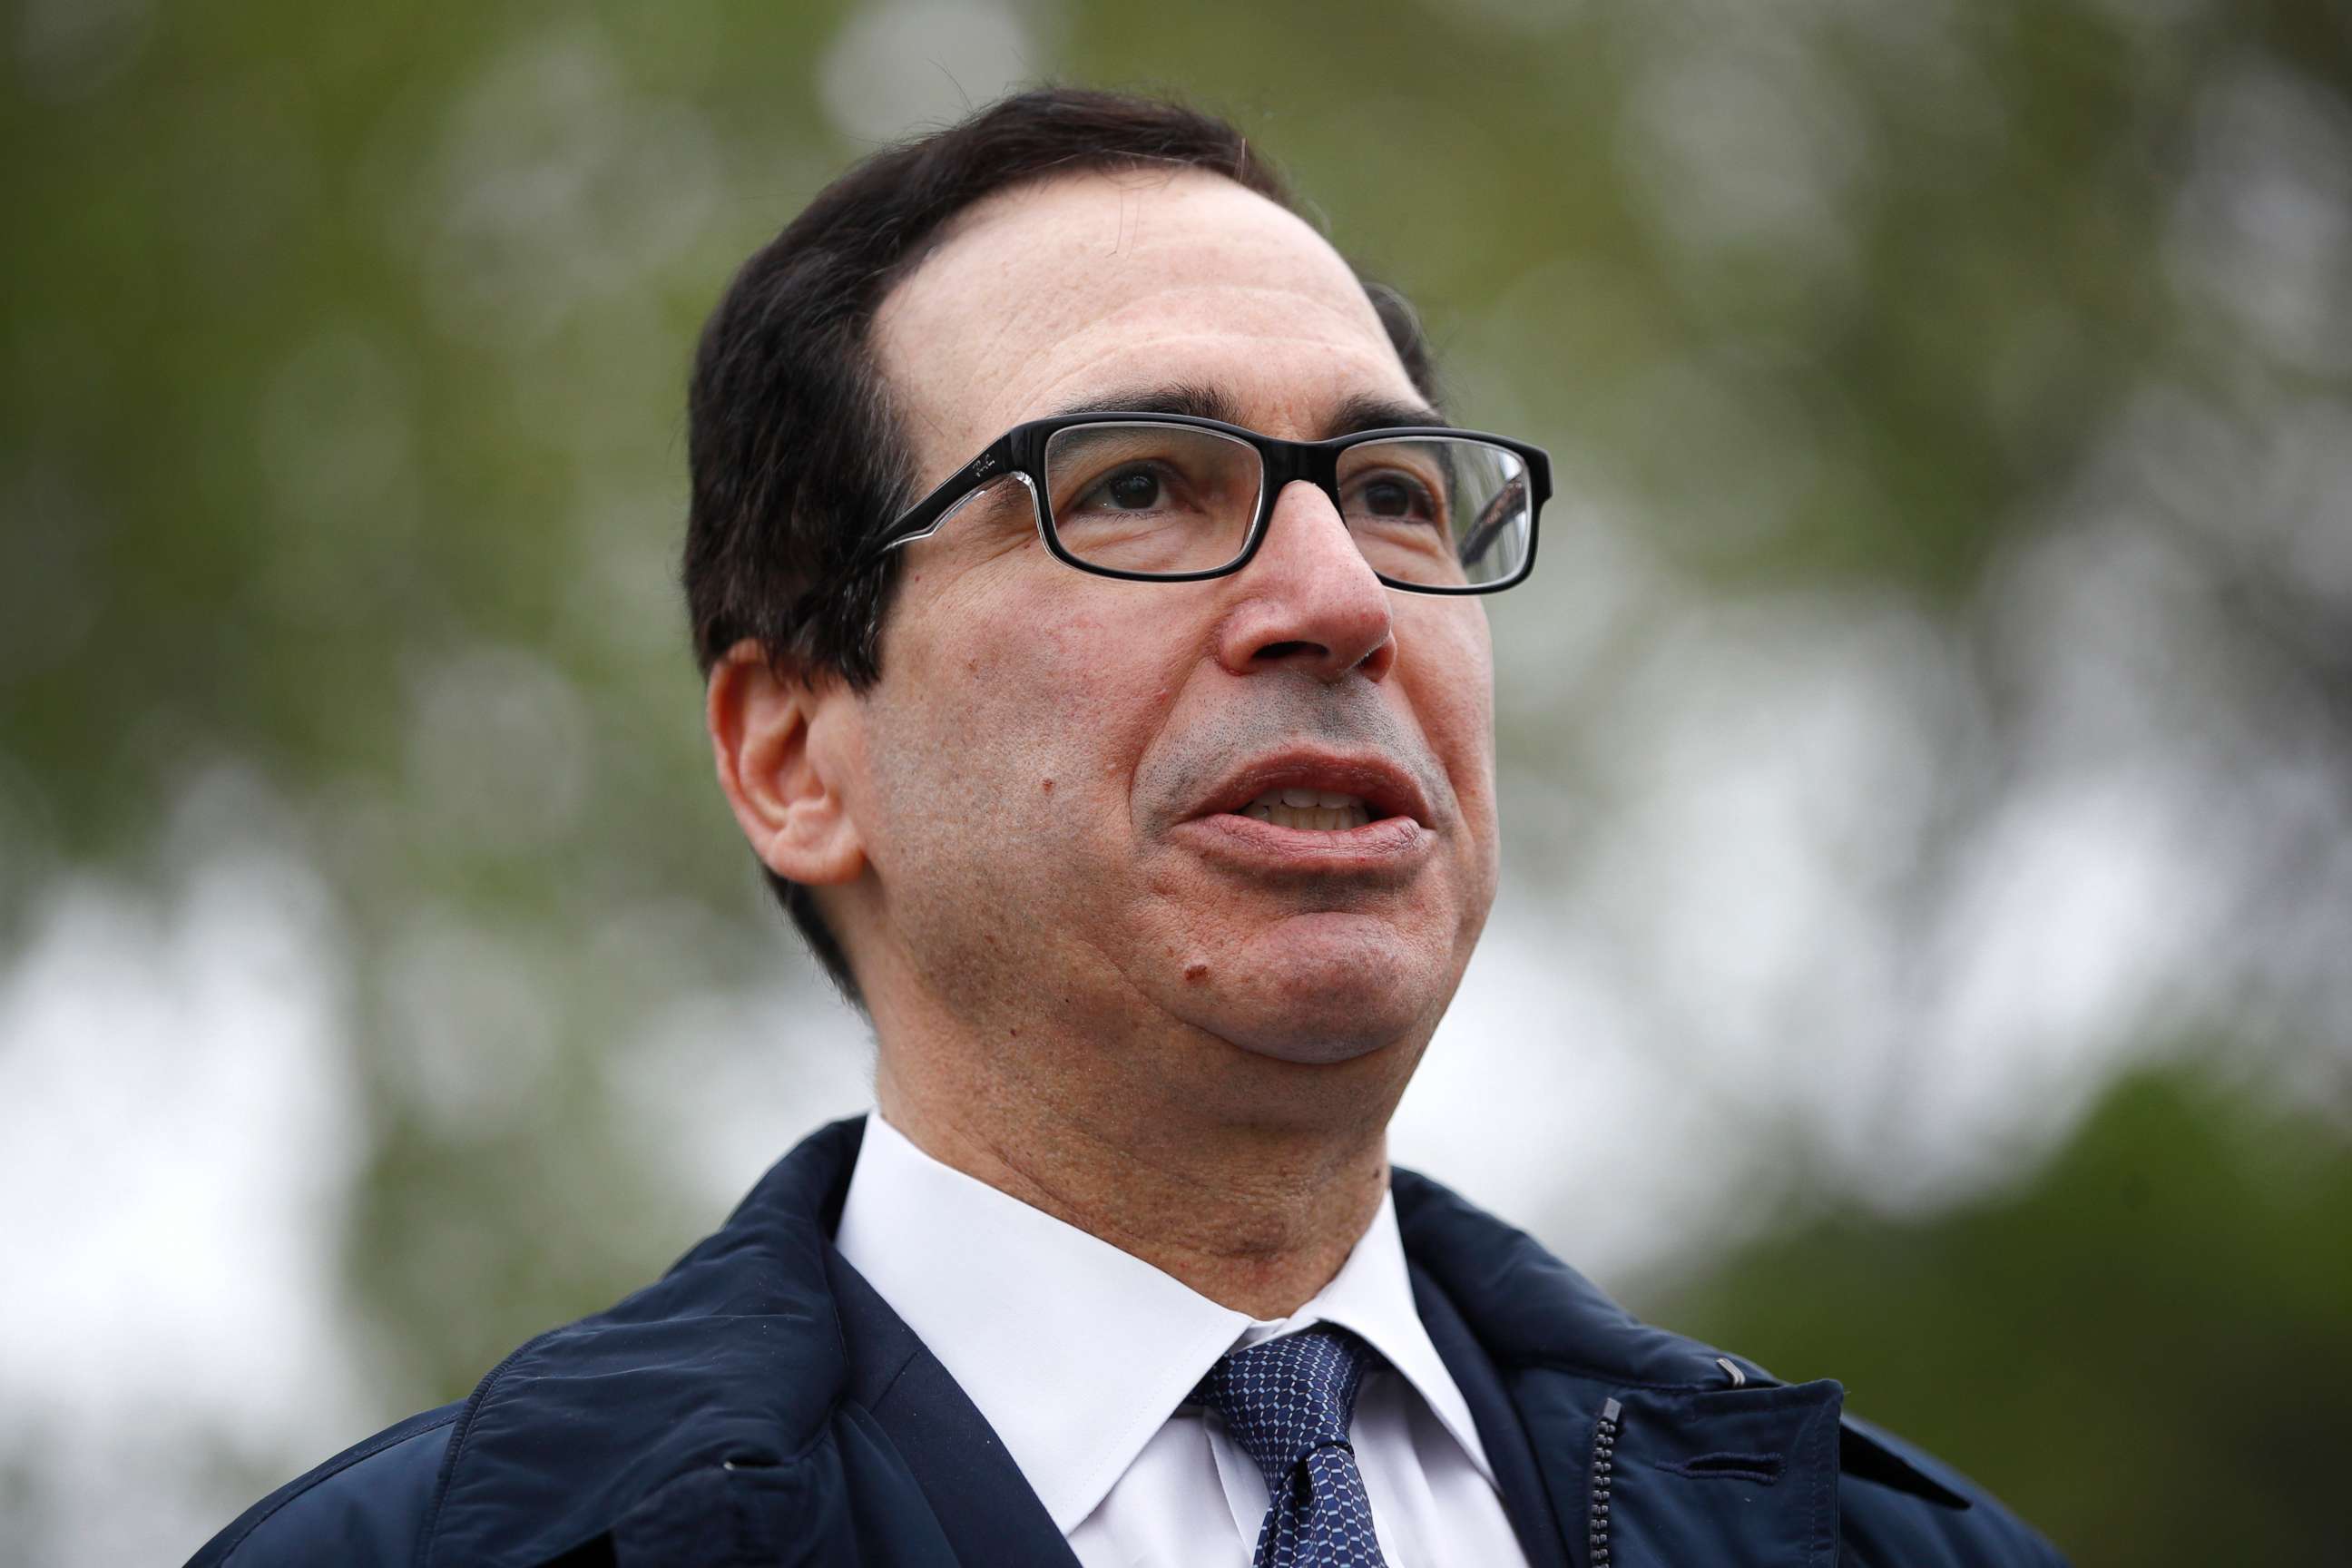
x: 1392, y: 844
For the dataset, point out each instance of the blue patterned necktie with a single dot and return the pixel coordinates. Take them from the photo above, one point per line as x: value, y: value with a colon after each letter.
x: 1288, y: 1403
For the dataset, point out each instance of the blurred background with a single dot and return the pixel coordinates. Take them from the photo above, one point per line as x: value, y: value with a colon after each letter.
x: 1925, y: 950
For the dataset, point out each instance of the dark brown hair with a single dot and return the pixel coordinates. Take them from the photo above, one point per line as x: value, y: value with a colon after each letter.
x: 794, y: 455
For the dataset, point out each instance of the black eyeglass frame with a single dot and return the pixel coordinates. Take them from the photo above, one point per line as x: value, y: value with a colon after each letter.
x: 1020, y: 453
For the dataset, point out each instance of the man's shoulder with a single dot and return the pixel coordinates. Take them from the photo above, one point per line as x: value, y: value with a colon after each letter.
x: 732, y: 1355
x: 366, y: 1506
x: 1885, y: 1521
x: 1704, y: 1439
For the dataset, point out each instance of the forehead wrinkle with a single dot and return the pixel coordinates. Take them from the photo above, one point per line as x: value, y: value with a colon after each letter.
x: 1001, y: 305
x: 1274, y: 316
x: 1266, y: 306
x: 1143, y: 347
x: 1247, y: 389
x: 960, y: 420
x: 1246, y: 385
x: 1275, y: 300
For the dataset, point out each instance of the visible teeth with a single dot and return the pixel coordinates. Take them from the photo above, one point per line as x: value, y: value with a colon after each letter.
x: 1325, y: 799
x: 1318, y: 810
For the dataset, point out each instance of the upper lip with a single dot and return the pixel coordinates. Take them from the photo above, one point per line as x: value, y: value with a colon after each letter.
x: 1385, y: 789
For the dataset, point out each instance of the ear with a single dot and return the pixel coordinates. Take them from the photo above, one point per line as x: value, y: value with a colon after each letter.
x: 775, y: 739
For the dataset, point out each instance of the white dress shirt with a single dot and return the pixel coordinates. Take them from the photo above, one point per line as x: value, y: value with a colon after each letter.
x: 1080, y: 1355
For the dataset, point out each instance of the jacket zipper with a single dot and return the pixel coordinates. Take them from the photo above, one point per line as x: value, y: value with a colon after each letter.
x: 1604, y: 1451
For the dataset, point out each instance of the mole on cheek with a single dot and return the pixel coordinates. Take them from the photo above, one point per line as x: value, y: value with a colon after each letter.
x: 1196, y: 972
x: 1049, y: 787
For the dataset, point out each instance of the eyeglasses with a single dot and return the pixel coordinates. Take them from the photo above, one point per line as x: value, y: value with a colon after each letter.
x: 1166, y: 497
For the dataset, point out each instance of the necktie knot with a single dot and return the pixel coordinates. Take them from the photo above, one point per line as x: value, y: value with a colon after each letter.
x: 1284, y: 1399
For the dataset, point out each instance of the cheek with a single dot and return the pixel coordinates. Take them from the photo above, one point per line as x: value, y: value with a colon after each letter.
x: 1448, y: 665
x: 1021, y: 714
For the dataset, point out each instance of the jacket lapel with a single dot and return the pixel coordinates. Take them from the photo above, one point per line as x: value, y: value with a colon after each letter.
x: 985, y: 1509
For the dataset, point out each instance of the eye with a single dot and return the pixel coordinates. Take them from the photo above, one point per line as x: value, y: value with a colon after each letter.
x: 1131, y: 489
x: 1392, y: 496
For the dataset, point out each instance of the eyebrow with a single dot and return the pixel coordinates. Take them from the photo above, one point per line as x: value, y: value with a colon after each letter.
x: 1362, y: 411
x: 1369, y: 411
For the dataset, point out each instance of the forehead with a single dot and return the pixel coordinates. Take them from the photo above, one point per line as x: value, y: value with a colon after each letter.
x: 1041, y: 295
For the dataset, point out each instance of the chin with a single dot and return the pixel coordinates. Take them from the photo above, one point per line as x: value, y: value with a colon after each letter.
x: 1310, y: 1049
x: 1322, y: 1002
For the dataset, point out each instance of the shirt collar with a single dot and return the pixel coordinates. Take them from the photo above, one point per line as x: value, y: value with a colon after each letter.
x: 1372, y: 1296
x: 1075, y: 1352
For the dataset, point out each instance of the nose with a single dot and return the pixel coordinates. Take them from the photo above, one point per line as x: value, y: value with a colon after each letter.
x: 1308, y: 599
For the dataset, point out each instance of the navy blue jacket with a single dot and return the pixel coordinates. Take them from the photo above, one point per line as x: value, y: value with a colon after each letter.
x: 761, y: 1404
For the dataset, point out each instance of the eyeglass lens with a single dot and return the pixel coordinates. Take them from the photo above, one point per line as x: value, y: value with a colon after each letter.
x: 1164, y: 499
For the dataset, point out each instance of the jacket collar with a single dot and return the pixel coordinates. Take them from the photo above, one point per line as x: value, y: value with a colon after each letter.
x: 1528, y: 1309
x: 735, y: 1357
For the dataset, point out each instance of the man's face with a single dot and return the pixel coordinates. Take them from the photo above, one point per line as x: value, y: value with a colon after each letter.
x: 1054, y: 765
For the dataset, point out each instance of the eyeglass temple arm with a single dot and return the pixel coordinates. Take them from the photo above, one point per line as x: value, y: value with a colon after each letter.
x: 1492, y: 517
x: 921, y: 519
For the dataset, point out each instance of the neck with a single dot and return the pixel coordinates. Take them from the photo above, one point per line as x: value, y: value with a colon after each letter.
x: 1257, y: 1213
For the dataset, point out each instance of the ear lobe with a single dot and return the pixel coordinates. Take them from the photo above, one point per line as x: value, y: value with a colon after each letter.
x: 767, y: 739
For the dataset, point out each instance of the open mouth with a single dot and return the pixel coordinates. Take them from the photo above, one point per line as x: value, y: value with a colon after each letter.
x: 1310, y: 791
x: 1314, y: 810
x: 1316, y: 814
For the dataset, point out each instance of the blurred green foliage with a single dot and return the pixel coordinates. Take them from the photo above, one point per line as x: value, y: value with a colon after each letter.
x: 340, y: 454
x: 2141, y: 1347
